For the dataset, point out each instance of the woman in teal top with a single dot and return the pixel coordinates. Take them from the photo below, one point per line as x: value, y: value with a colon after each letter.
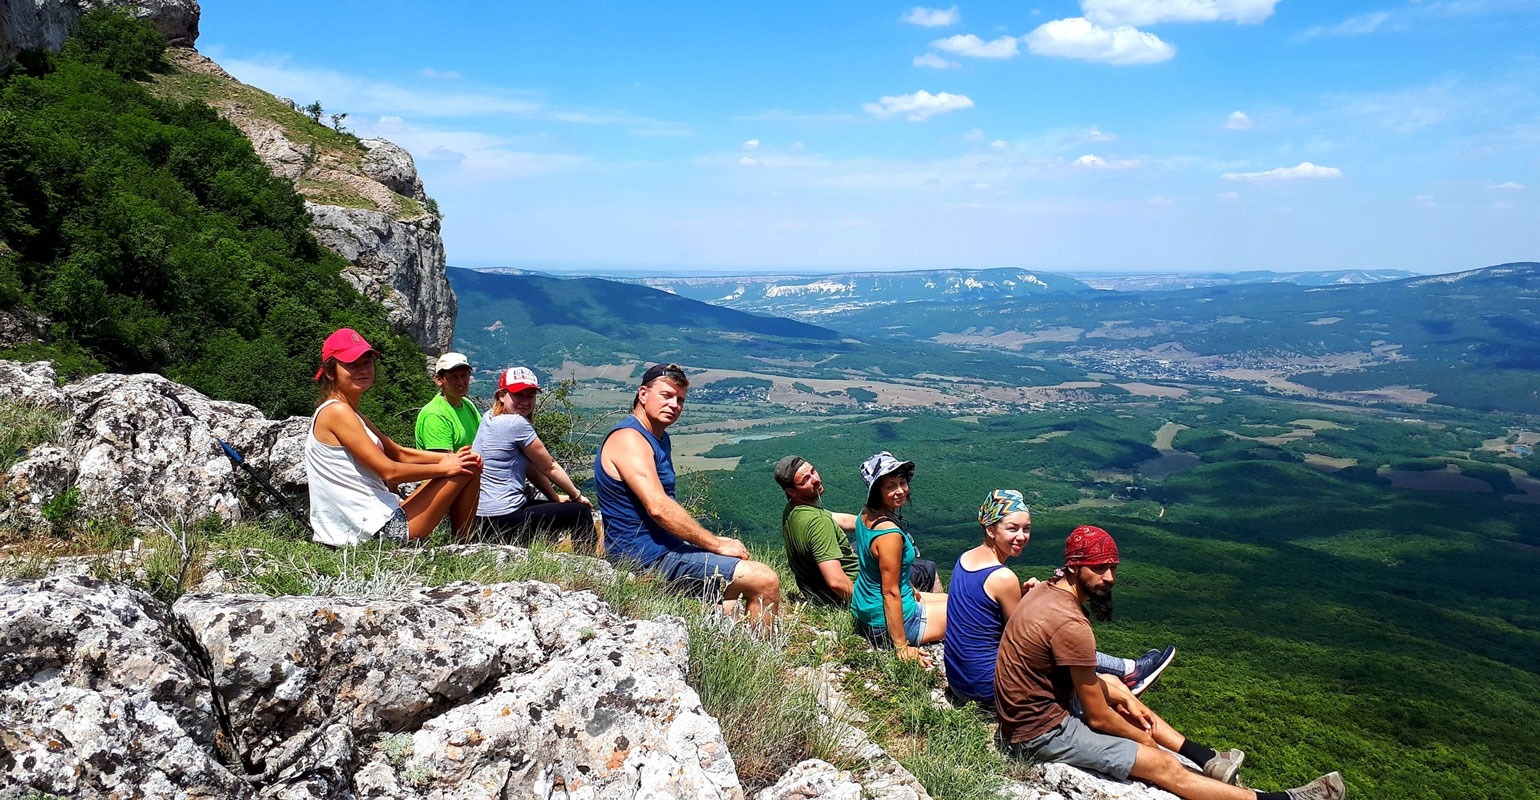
x: 887, y: 609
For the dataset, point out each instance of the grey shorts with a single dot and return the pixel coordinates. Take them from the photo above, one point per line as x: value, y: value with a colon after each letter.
x: 1073, y: 742
x: 697, y: 573
x: 397, y: 528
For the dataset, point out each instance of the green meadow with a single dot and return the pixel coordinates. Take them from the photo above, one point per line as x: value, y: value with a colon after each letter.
x: 1323, y: 618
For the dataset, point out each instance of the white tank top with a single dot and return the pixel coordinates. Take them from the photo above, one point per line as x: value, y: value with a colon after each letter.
x: 348, y: 501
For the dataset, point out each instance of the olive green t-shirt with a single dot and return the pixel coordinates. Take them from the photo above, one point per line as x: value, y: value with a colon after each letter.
x: 811, y: 536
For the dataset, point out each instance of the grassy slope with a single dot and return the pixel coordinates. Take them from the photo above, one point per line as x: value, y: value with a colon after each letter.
x: 1324, y: 620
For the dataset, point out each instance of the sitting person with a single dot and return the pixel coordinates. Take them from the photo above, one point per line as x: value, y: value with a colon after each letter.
x: 646, y: 528
x: 887, y: 609
x: 513, y: 453
x: 984, y: 592
x: 350, y: 465
x: 818, y: 543
x: 449, y: 421
x: 1048, y: 657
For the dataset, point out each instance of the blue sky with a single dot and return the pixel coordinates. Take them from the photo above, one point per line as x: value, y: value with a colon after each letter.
x: 1059, y: 136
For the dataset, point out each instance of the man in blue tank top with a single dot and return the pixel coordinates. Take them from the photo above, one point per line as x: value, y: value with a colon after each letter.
x: 646, y: 528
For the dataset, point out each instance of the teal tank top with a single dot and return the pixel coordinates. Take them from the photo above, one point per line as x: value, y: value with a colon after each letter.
x: 866, y: 599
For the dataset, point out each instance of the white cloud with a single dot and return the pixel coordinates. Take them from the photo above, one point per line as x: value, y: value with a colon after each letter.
x: 1509, y: 186
x: 1098, y: 135
x: 1304, y: 170
x: 1425, y: 201
x: 975, y: 135
x: 1089, y: 161
x: 1152, y: 12
x: 1238, y: 121
x: 999, y: 144
x: 447, y: 74
x: 1159, y: 201
x: 1076, y: 37
x: 933, y: 61
x: 966, y: 44
x: 359, y: 96
x: 1352, y: 26
x: 752, y: 144
x: 931, y: 17
x: 746, y: 161
x: 1228, y: 197
x: 918, y: 106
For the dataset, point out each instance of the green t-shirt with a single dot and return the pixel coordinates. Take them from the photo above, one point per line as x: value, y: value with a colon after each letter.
x: 811, y: 536
x: 441, y: 426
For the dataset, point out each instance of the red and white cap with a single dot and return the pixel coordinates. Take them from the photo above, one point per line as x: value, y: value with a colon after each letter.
x: 517, y: 379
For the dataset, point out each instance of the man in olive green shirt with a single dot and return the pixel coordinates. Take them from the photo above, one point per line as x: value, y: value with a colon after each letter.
x: 818, y: 540
x: 449, y: 421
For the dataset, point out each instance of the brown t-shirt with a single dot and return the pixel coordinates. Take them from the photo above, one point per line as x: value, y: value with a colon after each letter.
x: 1045, y: 636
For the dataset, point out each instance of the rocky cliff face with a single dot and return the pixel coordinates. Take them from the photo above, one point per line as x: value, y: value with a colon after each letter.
x: 367, y: 200
x: 33, y: 24
x: 385, y: 229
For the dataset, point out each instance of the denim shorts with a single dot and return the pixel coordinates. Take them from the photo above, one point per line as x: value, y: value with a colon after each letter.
x: 914, y: 628
x: 1073, y: 742
x: 697, y: 572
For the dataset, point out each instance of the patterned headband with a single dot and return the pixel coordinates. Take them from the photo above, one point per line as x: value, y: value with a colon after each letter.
x: 1000, y: 504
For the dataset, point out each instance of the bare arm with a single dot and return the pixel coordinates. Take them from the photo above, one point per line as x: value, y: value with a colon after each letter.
x: 393, y: 463
x: 888, y: 546
x: 1099, y: 712
x: 1001, y: 587
x: 846, y: 522
x: 627, y: 457
x: 834, y: 575
x: 548, y: 468
x: 542, y: 483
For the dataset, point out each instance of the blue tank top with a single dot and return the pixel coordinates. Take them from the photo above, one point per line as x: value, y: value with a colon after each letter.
x: 630, y: 535
x: 974, y: 624
x: 866, y: 598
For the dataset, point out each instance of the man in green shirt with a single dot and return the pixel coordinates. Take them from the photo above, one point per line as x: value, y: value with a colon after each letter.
x: 818, y: 540
x: 449, y: 421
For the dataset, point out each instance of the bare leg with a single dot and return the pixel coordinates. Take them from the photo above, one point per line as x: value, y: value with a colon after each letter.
x: 432, y: 500
x: 935, y: 616
x: 1156, y: 766
x: 760, y: 589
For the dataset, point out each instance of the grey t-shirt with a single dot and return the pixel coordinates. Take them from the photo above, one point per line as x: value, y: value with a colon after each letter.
x: 500, y: 441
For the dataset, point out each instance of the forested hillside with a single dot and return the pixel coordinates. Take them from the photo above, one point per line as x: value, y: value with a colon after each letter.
x: 150, y: 238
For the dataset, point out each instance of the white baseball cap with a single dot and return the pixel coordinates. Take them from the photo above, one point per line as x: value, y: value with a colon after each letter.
x: 449, y: 361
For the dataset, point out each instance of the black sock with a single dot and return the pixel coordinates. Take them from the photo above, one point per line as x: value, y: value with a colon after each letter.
x: 1272, y: 796
x: 1196, y: 753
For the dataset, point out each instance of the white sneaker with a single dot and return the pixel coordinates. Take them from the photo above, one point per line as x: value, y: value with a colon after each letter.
x: 1326, y: 787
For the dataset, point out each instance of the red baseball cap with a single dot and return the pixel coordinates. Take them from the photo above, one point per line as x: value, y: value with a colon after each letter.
x: 1089, y: 546
x: 345, y: 345
x: 517, y: 379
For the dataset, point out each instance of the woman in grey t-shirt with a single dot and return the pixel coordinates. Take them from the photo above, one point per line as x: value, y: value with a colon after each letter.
x: 514, y: 456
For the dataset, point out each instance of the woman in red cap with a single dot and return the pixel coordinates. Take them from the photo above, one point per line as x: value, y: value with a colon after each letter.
x: 351, y: 465
x: 513, y: 453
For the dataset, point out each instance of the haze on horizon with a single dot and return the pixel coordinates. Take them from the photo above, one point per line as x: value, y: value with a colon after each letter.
x: 1060, y: 136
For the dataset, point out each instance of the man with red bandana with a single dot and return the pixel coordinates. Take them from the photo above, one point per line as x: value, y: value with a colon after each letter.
x: 1048, y: 661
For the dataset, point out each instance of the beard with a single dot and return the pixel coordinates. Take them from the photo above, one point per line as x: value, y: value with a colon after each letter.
x: 1101, y: 603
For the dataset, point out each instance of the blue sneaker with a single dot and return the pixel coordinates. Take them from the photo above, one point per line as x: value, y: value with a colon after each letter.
x: 1147, y: 669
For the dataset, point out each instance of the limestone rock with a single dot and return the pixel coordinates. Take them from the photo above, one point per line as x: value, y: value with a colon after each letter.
x: 33, y: 384
x: 30, y: 24
x: 398, y: 263
x: 19, y: 326
x: 391, y: 165
x: 134, y: 453
x: 98, y: 698
x: 813, y: 779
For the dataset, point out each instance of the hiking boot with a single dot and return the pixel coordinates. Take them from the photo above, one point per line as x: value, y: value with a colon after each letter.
x: 1326, y: 787
x: 1147, y: 669
x: 1225, y: 767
